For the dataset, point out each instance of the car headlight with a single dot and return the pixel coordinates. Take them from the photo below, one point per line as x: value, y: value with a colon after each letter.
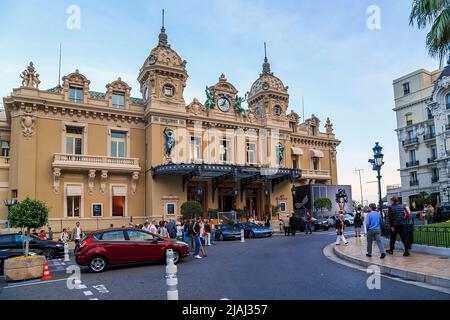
x: 181, y: 243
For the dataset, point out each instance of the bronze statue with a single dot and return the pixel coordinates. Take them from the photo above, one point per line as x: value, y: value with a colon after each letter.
x: 210, y: 99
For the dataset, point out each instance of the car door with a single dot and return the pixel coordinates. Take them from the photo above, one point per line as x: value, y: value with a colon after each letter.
x: 143, y: 246
x: 8, y: 241
x: 116, y: 247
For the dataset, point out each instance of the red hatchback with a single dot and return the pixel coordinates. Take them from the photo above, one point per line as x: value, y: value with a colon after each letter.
x: 104, y: 248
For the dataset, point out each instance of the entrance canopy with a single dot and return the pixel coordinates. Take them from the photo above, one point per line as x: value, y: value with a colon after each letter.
x: 219, y: 173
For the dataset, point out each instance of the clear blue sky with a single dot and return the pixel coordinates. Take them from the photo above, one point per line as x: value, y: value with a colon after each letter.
x: 321, y: 49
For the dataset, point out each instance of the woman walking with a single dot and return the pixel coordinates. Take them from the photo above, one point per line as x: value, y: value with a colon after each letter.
x: 202, y: 238
x: 163, y: 230
x: 340, y: 227
x: 358, y: 222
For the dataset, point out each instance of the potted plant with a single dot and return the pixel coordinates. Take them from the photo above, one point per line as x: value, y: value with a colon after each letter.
x: 26, y: 214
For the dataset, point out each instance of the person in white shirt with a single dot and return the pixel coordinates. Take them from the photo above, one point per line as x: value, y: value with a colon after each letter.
x: 64, y: 236
x: 77, y: 233
x: 152, y: 227
x: 163, y: 230
x: 179, y: 231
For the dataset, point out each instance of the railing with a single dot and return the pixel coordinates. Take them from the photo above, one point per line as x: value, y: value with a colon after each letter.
x: 434, y: 179
x: 315, y: 172
x: 435, y: 236
x: 410, y: 141
x: 429, y: 136
x: 393, y: 186
x: 413, y: 183
x: 59, y: 157
x: 431, y: 160
x: 4, y: 160
x: 412, y: 163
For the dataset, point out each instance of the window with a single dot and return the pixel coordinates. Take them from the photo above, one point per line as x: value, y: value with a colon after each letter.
x: 145, y: 93
x: 118, y: 101
x: 5, y: 148
x: 225, y: 150
x: 413, y: 177
x: 410, y: 134
x: 277, y: 110
x: 74, y: 140
x: 196, y: 148
x: 118, y: 144
x: 295, y: 162
x: 406, y: 89
x: 73, y: 206
x: 435, y: 174
x: 434, y: 153
x: 316, y: 163
x: 429, y: 114
x: 409, y: 119
x: 135, y: 235
x: 251, y: 152
x: 168, y: 90
x: 118, y: 206
x: 448, y: 101
x: 113, y: 236
x: 412, y: 155
x: 76, y: 94
x: 313, y: 130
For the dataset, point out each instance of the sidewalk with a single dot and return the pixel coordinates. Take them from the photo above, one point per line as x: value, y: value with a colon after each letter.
x: 421, y: 267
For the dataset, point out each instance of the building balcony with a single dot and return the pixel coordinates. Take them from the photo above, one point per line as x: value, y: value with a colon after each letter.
x: 428, y: 137
x: 413, y: 183
x: 412, y: 163
x: 447, y: 127
x: 86, y: 162
x: 411, y: 141
x: 432, y: 160
x: 316, y: 174
x: 4, y: 162
x: 434, y: 179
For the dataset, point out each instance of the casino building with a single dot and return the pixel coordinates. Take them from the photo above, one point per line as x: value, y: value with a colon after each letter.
x: 107, y: 157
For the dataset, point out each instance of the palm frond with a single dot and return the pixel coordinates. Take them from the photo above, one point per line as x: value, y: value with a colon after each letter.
x: 439, y: 36
x: 423, y: 12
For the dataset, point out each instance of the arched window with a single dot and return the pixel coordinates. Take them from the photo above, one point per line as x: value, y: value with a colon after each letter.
x: 277, y: 110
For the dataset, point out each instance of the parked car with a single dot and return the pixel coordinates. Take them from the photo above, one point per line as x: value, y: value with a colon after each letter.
x: 331, y: 220
x: 349, y: 220
x: 11, y: 253
x: 253, y: 230
x: 122, y: 246
x: 226, y: 232
x: 50, y: 249
x: 321, y: 224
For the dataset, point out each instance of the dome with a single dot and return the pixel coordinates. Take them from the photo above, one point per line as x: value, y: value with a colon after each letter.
x: 165, y: 55
x: 267, y: 81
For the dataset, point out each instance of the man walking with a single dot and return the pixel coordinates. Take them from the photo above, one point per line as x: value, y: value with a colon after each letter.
x: 196, y: 234
x: 309, y: 222
x: 373, y: 225
x: 208, y: 233
x: 292, y: 224
x: 397, y: 222
x: 287, y: 229
x: 172, y: 229
x: 77, y: 233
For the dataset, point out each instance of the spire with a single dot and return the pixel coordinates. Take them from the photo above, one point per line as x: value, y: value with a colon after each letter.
x: 266, y: 64
x: 162, y: 34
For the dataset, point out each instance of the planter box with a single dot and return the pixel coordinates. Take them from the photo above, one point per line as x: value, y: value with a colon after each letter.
x: 23, y: 269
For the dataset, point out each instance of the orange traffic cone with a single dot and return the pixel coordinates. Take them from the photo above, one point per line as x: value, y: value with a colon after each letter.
x: 47, y: 275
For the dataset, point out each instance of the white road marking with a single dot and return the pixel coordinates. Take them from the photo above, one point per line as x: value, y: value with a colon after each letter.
x: 88, y: 293
x: 101, y: 288
x: 94, y: 299
x: 32, y: 283
x: 82, y: 286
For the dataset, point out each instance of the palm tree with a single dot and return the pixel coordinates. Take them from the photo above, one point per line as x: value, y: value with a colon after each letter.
x: 437, y: 14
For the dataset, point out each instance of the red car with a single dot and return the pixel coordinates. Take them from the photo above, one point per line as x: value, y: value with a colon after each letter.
x: 104, y: 248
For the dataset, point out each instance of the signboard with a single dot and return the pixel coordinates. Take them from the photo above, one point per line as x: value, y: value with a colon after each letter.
x: 170, y: 208
x: 97, y: 209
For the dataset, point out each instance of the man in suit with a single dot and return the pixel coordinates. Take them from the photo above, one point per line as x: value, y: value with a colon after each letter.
x: 77, y: 233
x: 292, y: 224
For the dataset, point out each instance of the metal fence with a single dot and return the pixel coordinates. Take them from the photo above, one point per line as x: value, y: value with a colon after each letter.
x: 429, y: 235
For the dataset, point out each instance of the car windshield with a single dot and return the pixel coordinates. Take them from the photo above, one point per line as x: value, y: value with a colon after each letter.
x: 252, y: 225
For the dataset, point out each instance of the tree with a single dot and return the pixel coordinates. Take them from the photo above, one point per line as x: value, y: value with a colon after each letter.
x: 191, y: 209
x: 437, y: 14
x: 30, y: 214
x: 323, y: 203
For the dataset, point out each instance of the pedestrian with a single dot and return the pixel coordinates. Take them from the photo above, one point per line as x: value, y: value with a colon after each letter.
x: 267, y: 224
x: 172, y: 229
x: 202, y: 238
x: 153, y: 228
x: 281, y: 225
x: 163, y: 230
x: 364, y: 217
x: 340, y: 228
x: 358, y: 221
x: 309, y: 222
x: 77, y: 233
x: 425, y: 215
x: 42, y: 235
x: 287, y: 229
x: 145, y: 227
x: 186, y: 231
x: 373, y: 225
x: 208, y: 233
x: 430, y: 214
x: 111, y: 226
x: 213, y: 233
x: 397, y: 223
x: 65, y: 236
x: 50, y: 234
x: 292, y: 224
x: 179, y: 228
x: 196, y: 234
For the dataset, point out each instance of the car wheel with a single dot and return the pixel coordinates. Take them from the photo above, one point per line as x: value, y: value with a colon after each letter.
x: 49, y: 253
x: 251, y: 234
x: 347, y: 223
x: 176, y: 256
x: 327, y: 228
x: 221, y: 237
x: 97, y: 264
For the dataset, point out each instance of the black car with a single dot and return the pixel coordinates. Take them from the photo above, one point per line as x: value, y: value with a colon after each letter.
x: 226, y: 232
x: 11, y: 253
x: 50, y: 249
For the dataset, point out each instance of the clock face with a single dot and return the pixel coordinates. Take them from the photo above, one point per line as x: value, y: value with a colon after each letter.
x: 258, y: 112
x: 223, y: 104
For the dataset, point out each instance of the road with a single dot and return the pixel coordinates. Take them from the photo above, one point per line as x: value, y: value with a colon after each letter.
x: 279, y: 267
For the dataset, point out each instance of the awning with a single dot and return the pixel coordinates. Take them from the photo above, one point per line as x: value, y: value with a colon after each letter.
x: 316, y: 153
x: 74, y: 190
x: 297, y: 151
x: 120, y: 191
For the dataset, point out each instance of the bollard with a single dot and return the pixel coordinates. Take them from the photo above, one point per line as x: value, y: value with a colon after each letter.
x: 66, y: 252
x: 171, y: 277
x: 242, y: 235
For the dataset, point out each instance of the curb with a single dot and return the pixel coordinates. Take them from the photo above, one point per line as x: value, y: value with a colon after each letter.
x: 409, y: 275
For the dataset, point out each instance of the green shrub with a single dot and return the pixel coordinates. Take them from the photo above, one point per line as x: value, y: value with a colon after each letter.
x: 191, y: 209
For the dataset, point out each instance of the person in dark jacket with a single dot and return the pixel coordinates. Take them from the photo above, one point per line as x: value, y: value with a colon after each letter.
x: 292, y: 224
x: 196, y: 233
x: 358, y: 222
x: 397, y: 223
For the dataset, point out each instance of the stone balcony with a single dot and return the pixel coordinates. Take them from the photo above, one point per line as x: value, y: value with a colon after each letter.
x: 4, y: 162
x: 315, y: 175
x: 87, y: 162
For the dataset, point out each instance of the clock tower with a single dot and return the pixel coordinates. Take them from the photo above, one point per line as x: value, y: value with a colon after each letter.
x: 163, y: 78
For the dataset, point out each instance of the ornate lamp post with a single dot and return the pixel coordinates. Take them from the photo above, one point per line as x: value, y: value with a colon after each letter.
x: 377, y: 163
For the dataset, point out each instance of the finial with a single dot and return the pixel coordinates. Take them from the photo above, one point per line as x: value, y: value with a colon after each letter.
x: 266, y: 64
x: 162, y: 34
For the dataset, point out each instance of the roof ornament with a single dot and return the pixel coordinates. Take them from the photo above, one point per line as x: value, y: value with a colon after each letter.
x: 30, y: 78
x: 266, y: 64
x: 448, y: 51
x: 163, y: 35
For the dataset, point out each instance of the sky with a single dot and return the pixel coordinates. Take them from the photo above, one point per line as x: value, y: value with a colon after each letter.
x: 322, y: 49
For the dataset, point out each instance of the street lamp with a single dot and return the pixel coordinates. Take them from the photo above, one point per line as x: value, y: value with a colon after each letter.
x: 9, y: 203
x: 377, y: 163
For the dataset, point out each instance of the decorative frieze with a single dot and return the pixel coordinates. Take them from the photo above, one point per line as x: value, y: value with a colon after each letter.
x: 56, y: 176
x: 91, y: 178
x: 103, y: 178
x: 134, y: 179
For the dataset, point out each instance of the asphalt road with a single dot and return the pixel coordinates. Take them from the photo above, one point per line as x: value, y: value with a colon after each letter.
x: 279, y: 267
